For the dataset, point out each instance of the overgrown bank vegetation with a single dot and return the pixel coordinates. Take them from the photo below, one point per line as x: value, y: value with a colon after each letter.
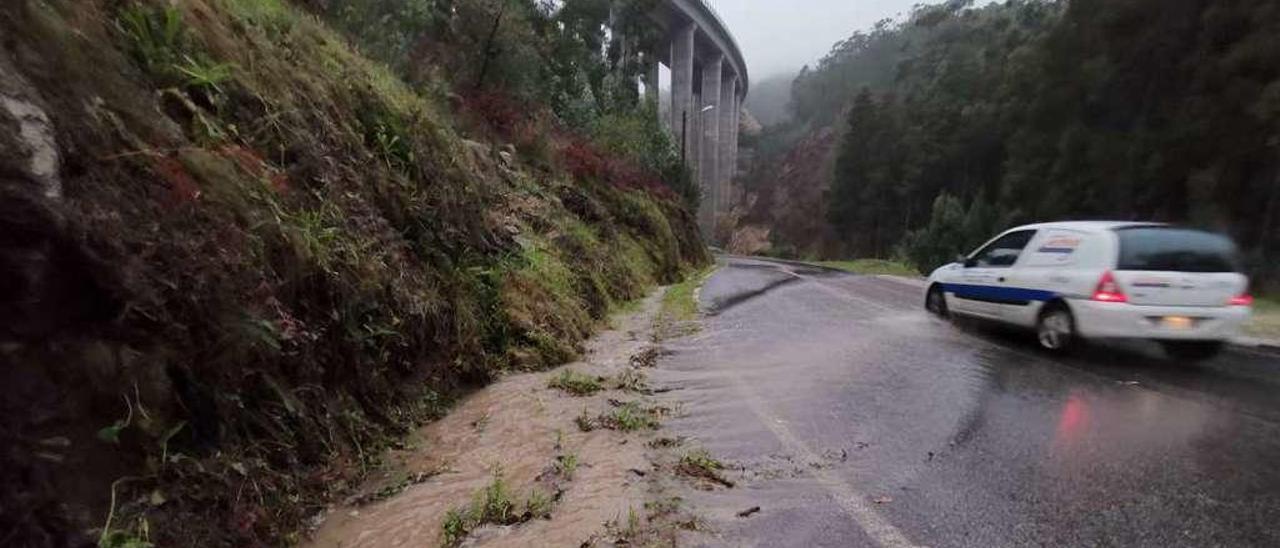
x: 272, y: 254
x: 962, y: 120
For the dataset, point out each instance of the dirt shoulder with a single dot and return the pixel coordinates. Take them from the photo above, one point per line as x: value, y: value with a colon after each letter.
x: 564, y: 457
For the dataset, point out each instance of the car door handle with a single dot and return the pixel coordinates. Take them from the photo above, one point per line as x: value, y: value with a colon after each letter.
x: 1002, y: 279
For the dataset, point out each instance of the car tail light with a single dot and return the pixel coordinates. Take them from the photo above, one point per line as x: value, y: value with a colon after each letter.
x: 1109, y: 291
x: 1244, y: 299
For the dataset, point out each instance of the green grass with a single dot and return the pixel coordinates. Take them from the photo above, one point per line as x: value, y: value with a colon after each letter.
x: 566, y: 465
x: 629, y: 418
x: 1266, y: 319
x: 632, y: 380
x: 872, y: 267
x: 701, y: 460
x: 538, y: 505
x: 679, y: 307
x: 576, y: 383
x: 700, y: 465
x: 584, y: 421
x: 678, y: 303
x: 494, y: 505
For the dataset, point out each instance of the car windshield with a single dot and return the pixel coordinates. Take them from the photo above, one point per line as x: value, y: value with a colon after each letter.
x: 1168, y: 249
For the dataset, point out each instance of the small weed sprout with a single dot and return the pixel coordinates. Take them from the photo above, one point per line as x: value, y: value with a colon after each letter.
x: 584, y: 421
x: 700, y: 465
x: 630, y: 532
x: 576, y: 383
x: 633, y: 380
x: 538, y: 505
x: 394, y: 150
x: 457, y: 525
x: 629, y: 418
x: 204, y: 76
x: 566, y: 465
x: 633, y: 524
x: 702, y: 460
x: 493, y: 505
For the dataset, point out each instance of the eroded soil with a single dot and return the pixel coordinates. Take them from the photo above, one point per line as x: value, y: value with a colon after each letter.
x: 519, y: 428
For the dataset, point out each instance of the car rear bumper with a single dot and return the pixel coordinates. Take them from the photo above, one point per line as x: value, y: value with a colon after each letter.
x: 1122, y: 320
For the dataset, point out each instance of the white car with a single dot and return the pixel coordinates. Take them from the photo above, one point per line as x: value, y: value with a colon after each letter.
x: 1097, y: 280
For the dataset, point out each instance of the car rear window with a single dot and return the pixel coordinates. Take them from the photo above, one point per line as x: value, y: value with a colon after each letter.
x: 1168, y: 249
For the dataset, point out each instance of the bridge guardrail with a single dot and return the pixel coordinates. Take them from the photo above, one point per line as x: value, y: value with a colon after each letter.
x: 711, y: 9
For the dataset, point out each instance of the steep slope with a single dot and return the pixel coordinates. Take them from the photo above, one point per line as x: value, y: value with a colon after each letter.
x: 783, y: 208
x: 238, y: 260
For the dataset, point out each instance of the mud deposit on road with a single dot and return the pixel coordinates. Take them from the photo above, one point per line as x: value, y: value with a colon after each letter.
x: 519, y: 428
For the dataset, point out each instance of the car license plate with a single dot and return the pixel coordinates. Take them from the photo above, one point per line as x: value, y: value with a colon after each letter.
x: 1178, y: 322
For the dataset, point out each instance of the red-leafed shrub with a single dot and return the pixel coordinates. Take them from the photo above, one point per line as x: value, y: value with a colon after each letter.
x: 502, y: 113
x: 527, y: 125
x: 584, y: 160
x: 182, y: 188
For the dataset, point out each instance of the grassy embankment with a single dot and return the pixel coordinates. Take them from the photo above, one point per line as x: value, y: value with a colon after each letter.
x: 679, y: 309
x: 1266, y: 320
x: 276, y: 258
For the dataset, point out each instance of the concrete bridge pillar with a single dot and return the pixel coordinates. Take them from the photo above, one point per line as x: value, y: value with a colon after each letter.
x: 652, y: 69
x: 728, y: 121
x: 682, y: 114
x: 709, y: 150
x: 694, y: 138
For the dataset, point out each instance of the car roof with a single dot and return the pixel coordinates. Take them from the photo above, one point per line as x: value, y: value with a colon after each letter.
x: 1087, y: 226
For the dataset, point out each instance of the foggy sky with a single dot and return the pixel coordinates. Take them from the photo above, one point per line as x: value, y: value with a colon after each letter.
x: 778, y: 36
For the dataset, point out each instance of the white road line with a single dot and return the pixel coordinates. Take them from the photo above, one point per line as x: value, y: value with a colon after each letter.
x: 854, y: 503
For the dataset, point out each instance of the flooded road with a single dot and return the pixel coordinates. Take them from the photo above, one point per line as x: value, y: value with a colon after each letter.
x: 856, y: 419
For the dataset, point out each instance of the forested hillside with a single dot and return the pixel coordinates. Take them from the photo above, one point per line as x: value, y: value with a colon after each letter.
x: 963, y: 120
x: 246, y: 245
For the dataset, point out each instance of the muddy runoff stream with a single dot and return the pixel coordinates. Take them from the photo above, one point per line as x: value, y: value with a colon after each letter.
x: 561, y: 485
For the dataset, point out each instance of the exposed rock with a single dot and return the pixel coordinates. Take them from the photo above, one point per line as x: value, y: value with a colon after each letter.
x: 27, y: 144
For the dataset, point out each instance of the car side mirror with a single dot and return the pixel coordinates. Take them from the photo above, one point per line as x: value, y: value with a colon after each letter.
x: 968, y: 262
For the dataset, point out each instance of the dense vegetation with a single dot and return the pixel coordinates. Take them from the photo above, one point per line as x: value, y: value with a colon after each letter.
x: 266, y: 248
x: 960, y: 121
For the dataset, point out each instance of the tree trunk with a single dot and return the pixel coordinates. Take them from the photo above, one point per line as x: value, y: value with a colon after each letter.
x: 490, y: 51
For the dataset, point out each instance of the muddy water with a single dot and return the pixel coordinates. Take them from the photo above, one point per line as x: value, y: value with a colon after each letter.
x: 512, y: 426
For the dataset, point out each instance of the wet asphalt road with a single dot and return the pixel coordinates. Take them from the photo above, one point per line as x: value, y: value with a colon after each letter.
x: 858, y: 420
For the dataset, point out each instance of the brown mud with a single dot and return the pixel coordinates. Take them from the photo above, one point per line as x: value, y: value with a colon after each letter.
x: 517, y: 427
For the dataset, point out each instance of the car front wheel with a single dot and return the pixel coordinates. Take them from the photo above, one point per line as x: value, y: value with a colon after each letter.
x: 935, y: 301
x: 1056, y: 328
x: 1193, y: 351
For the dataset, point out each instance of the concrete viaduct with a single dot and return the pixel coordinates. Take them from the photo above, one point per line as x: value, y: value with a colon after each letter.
x: 708, y: 84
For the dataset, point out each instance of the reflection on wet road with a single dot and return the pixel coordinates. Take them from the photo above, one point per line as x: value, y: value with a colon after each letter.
x: 859, y: 420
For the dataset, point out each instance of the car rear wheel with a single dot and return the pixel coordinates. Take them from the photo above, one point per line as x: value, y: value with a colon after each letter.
x: 1193, y: 351
x: 935, y: 301
x: 1056, y: 328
